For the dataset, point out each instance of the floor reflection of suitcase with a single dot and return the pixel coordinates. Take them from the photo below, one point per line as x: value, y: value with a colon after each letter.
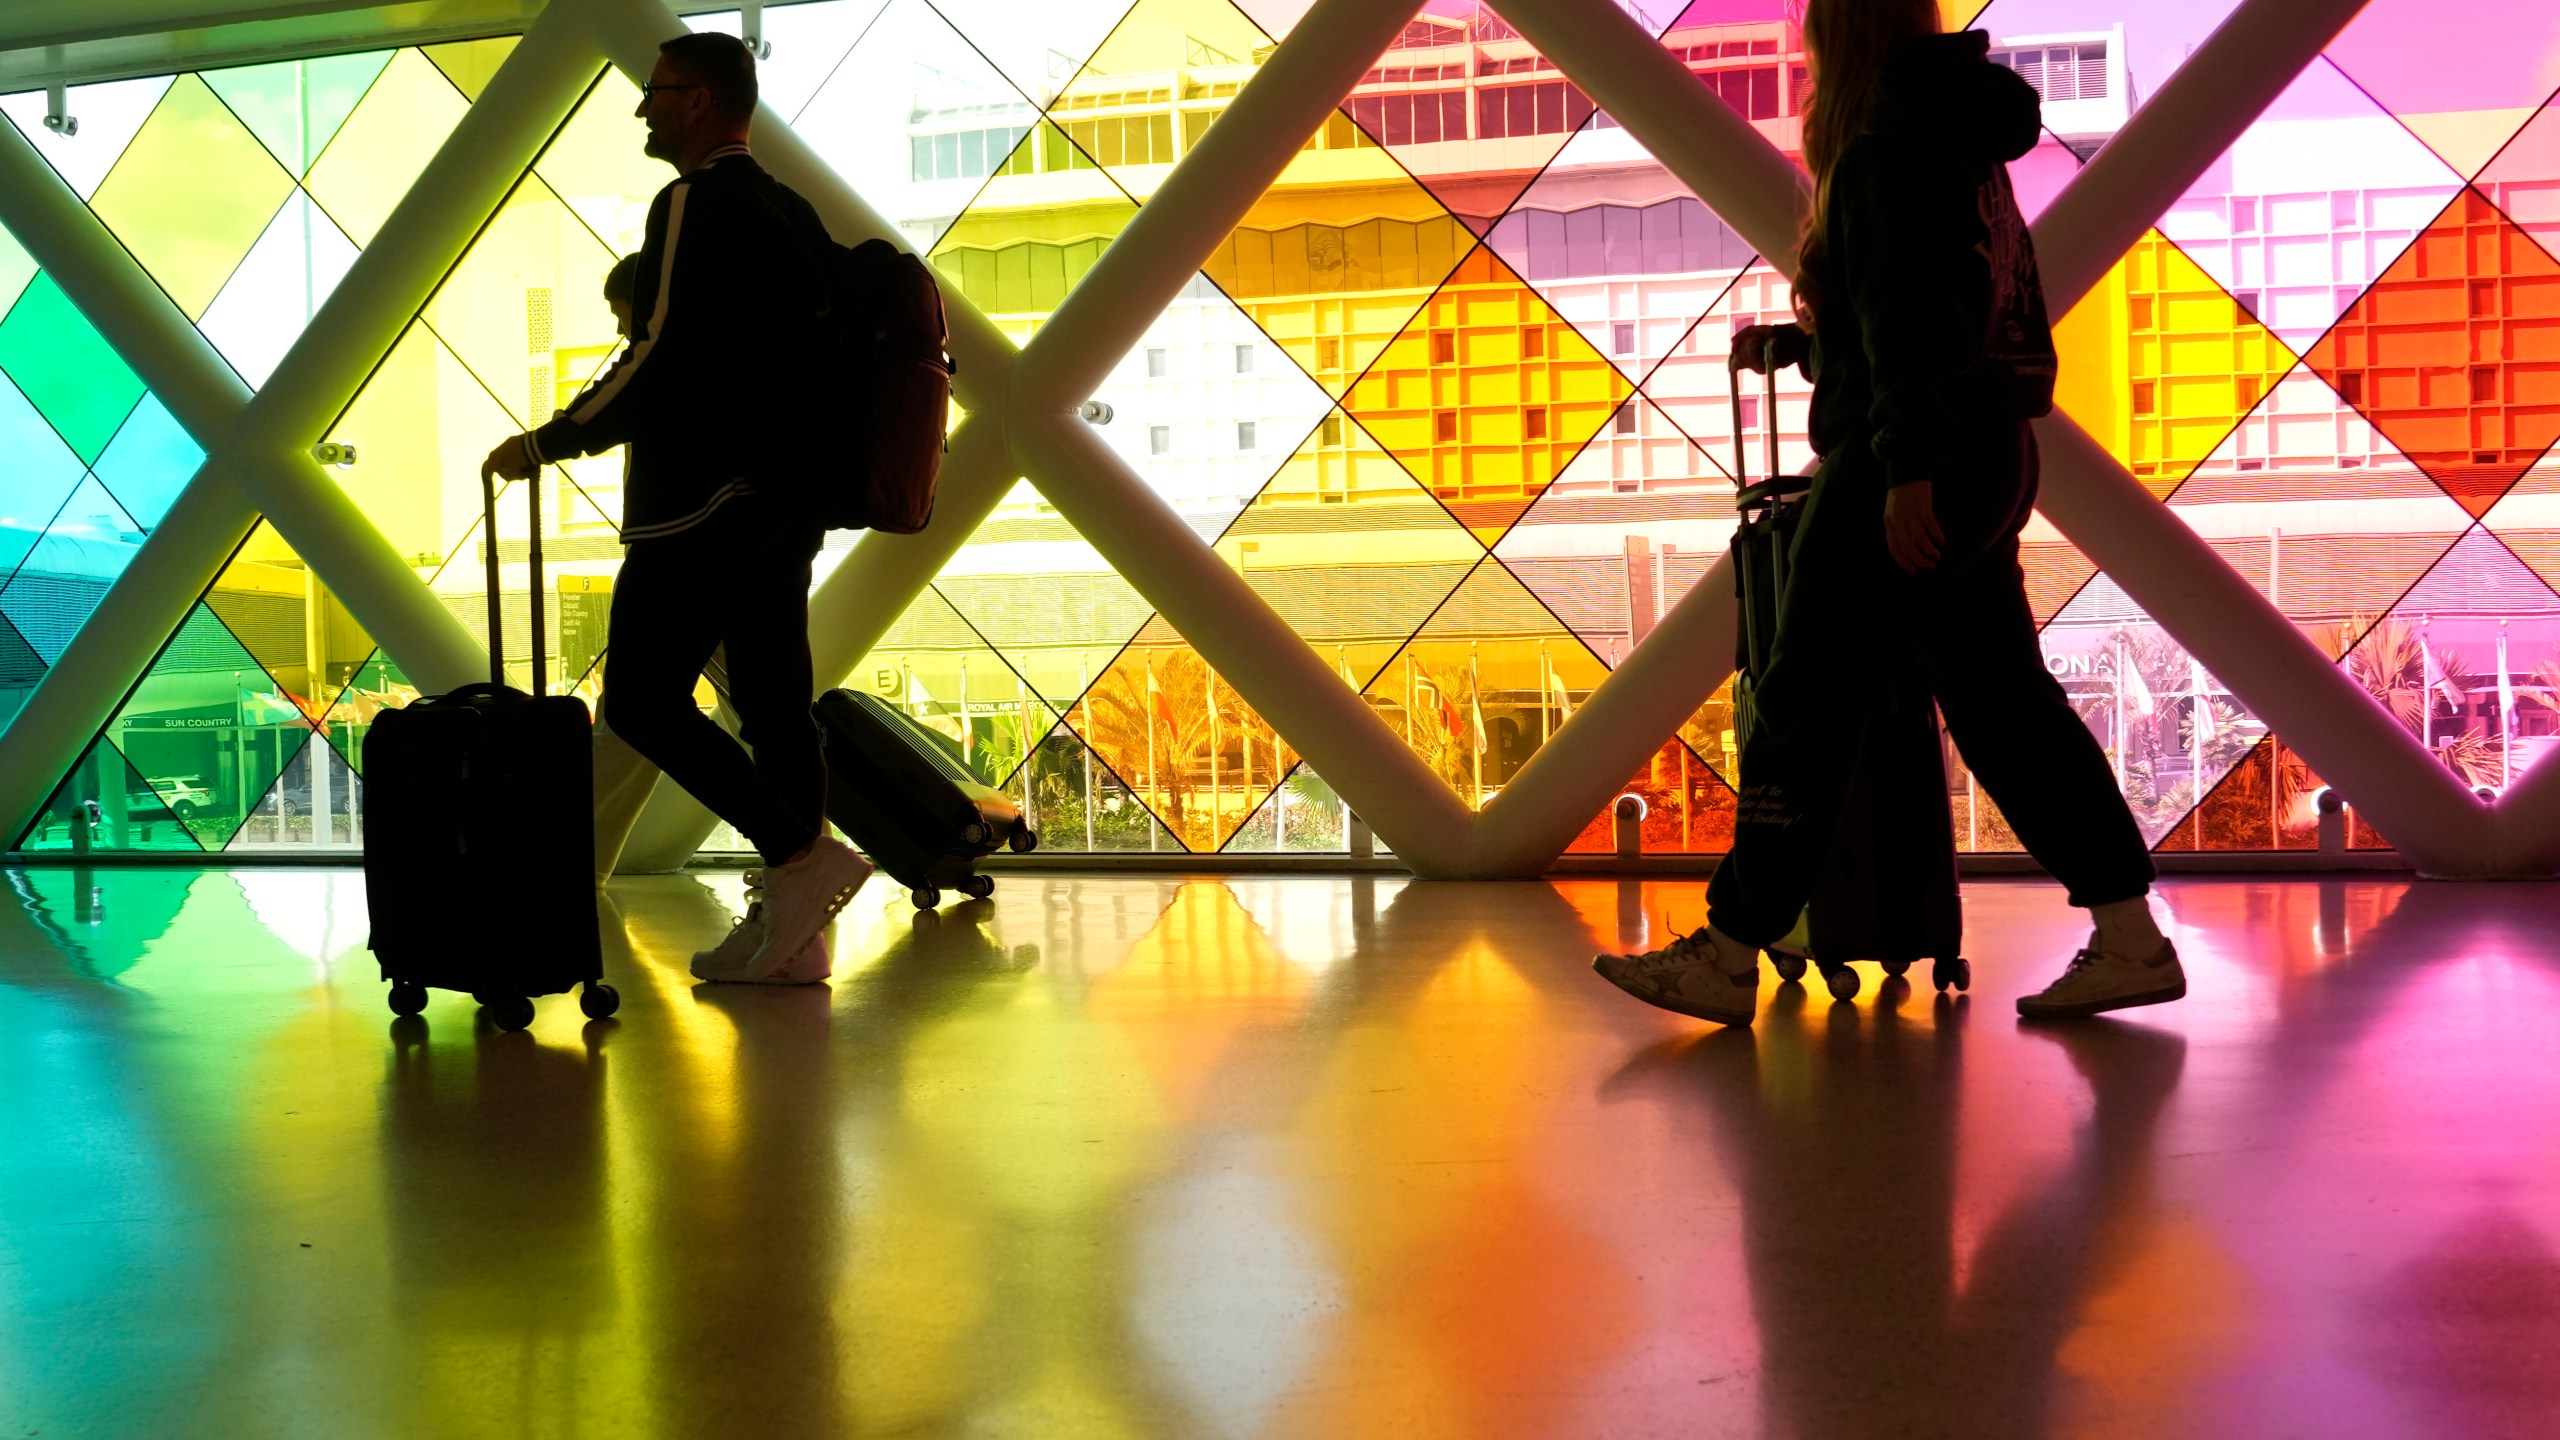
x: 1888, y: 892
x: 480, y: 836
x: 909, y: 804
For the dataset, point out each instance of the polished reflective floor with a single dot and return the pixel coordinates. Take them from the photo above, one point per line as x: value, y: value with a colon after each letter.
x: 1302, y: 1156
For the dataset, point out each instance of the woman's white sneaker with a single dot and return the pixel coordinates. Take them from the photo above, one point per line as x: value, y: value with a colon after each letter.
x: 1689, y: 977
x: 2096, y: 982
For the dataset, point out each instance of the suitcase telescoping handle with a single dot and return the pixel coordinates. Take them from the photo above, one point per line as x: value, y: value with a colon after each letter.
x: 533, y: 556
x: 1768, y: 411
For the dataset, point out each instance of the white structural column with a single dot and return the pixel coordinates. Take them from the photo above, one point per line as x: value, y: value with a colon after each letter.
x: 1239, y: 635
x: 257, y: 446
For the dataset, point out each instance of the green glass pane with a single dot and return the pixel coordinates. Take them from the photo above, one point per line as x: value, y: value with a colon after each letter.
x: 295, y: 106
x: 104, y: 804
x: 942, y: 673
x: 40, y: 472
x: 316, y: 801
x: 67, y: 368
x: 192, y: 194
x: 86, y: 544
x: 208, y: 729
x: 149, y: 462
x: 20, y: 668
x: 308, y: 642
x: 391, y: 135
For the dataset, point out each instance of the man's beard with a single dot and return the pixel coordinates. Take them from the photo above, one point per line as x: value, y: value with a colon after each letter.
x: 658, y: 146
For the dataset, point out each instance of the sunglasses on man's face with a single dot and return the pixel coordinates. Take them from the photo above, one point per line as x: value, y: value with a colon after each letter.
x: 646, y: 91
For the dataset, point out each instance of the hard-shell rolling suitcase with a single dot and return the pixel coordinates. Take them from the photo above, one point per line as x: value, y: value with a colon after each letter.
x: 480, y: 835
x: 909, y: 804
x: 1888, y: 889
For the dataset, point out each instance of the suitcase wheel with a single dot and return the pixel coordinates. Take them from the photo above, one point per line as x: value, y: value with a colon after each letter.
x: 599, y: 1000
x: 978, y: 887
x: 1896, y: 968
x: 510, y: 1013
x: 1022, y: 841
x: 407, y: 999
x: 1790, y: 968
x: 1842, y: 980
x: 925, y: 896
x: 1957, y: 973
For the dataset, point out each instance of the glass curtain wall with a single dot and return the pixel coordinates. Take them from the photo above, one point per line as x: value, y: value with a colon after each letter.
x: 1450, y: 398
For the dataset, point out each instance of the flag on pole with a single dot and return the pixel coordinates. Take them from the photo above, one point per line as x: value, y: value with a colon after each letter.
x: 2203, y: 722
x: 2137, y: 691
x: 1156, y: 700
x: 1563, y: 697
x: 1475, y: 709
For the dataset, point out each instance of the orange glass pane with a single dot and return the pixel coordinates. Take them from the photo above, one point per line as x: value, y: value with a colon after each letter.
x: 1182, y: 739
x: 2454, y: 354
x: 1473, y: 414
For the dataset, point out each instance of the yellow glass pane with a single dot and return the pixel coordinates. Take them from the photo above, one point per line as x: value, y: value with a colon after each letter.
x: 1156, y: 84
x: 525, y: 306
x: 278, y: 609
x: 391, y: 136
x: 470, y: 63
x: 1042, y: 596
x: 1348, y: 549
x: 1957, y: 14
x: 1338, y: 254
x: 1040, y: 223
x: 2158, y: 362
x: 1182, y: 738
x: 1484, y: 685
x: 191, y: 194
x: 1486, y: 394
x: 420, y: 427
x: 595, y: 164
x: 937, y: 669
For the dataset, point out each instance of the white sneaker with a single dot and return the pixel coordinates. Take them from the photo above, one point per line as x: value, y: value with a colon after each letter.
x: 801, y: 897
x: 729, y: 959
x: 811, y: 965
x: 2096, y: 982
x: 1690, y: 977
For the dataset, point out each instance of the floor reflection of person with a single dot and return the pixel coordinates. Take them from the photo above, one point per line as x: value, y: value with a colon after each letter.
x: 1849, y: 1218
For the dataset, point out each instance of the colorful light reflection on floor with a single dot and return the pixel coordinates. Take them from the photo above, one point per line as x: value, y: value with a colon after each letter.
x: 1302, y: 1156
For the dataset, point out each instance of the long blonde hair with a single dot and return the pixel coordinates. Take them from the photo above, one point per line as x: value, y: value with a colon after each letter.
x: 1848, y: 43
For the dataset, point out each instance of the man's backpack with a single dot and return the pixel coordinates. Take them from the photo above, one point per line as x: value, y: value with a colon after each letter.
x: 885, y: 390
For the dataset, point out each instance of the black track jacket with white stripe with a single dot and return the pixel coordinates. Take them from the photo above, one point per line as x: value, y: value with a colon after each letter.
x: 723, y: 314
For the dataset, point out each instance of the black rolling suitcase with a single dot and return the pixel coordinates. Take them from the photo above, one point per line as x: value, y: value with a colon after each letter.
x: 909, y: 804
x: 1888, y: 890
x: 480, y: 834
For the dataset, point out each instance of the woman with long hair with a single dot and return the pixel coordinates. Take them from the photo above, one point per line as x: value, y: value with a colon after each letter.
x: 1926, y: 339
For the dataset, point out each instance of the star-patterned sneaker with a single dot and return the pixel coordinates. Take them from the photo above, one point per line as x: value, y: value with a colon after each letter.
x: 2097, y: 981
x: 1689, y: 976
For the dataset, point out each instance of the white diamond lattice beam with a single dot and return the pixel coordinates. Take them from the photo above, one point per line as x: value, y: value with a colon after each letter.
x: 257, y: 447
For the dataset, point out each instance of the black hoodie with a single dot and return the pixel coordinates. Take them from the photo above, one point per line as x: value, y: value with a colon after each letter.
x: 1933, y: 324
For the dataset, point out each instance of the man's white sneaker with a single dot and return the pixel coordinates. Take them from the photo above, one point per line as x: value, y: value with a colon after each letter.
x: 2096, y: 982
x: 802, y: 896
x: 1688, y: 976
